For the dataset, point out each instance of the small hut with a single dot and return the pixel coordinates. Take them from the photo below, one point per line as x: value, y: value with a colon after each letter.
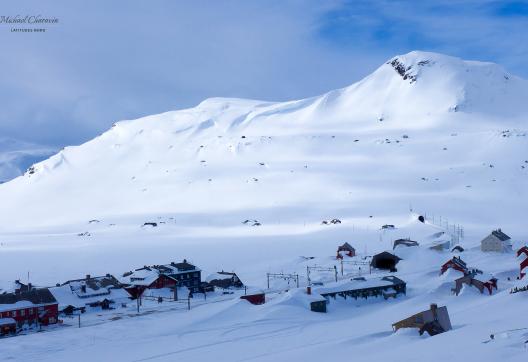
x: 433, y: 321
x: 345, y: 249
x: 385, y: 260
x: 404, y: 242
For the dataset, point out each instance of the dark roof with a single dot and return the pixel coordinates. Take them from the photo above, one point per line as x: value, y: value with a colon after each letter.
x: 406, y: 242
x: 346, y: 246
x: 95, y: 283
x: 183, y: 266
x: 386, y: 255
x: 35, y: 296
x: 500, y: 235
x: 393, y: 279
x: 457, y: 261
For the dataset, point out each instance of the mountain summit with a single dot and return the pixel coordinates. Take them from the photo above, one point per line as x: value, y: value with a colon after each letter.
x: 392, y: 139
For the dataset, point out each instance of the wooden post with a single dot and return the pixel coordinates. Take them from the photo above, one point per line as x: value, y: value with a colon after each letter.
x: 79, y: 315
x: 137, y: 302
x: 189, y: 303
x: 335, y: 270
x: 267, y: 274
x: 297, y: 280
x: 342, y: 267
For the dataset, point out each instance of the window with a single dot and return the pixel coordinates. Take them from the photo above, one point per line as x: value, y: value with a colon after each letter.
x: 31, y: 311
x: 22, y: 313
x: 13, y: 313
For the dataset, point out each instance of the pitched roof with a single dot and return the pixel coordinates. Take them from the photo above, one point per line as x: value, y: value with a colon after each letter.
x: 500, y: 235
x: 28, y: 298
x: 95, y: 283
x: 346, y: 246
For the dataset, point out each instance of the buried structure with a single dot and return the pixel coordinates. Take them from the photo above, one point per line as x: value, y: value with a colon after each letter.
x: 385, y: 260
x: 433, y: 321
x: 387, y: 287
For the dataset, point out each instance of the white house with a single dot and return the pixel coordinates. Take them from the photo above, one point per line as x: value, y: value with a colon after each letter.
x: 496, y: 241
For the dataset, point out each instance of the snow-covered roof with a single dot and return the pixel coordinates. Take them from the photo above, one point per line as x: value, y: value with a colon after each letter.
x: 220, y: 276
x: 499, y: 234
x: 143, y: 277
x: 6, y: 321
x: 354, y: 284
x: 34, y: 298
x: 65, y: 296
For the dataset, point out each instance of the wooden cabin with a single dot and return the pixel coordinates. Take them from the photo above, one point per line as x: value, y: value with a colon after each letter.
x: 433, y: 321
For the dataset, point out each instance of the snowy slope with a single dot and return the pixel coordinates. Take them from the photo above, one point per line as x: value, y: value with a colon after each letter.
x: 343, y: 150
x: 17, y: 156
x: 427, y: 132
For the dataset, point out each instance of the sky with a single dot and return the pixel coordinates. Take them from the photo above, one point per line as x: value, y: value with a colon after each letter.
x: 109, y: 61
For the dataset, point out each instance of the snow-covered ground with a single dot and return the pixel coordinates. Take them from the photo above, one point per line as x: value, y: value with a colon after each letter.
x: 425, y: 132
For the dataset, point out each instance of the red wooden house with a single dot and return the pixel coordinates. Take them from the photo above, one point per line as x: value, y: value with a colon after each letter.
x: 33, y: 307
x: 345, y: 249
x: 256, y: 298
x: 524, y: 263
x: 455, y: 263
x: 146, y: 278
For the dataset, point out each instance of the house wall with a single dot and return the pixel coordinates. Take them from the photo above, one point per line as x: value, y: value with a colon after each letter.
x: 492, y: 243
x: 30, y: 315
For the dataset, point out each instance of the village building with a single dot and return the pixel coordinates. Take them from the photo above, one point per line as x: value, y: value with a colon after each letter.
x: 404, y: 242
x: 30, y: 308
x: 497, y: 241
x: 524, y: 263
x: 455, y: 263
x: 385, y: 260
x: 255, y: 297
x: 441, y: 245
x: 345, y: 250
x: 457, y: 249
x: 386, y: 287
x: 79, y: 294
x: 433, y: 321
x: 170, y: 275
x: 7, y: 326
x: 478, y: 279
x: 225, y: 280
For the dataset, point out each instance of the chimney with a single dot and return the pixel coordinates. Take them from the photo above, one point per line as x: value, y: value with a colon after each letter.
x: 83, y: 288
x: 308, y: 290
x: 434, y: 310
x: 57, y: 285
x: 87, y: 276
x: 30, y: 287
x: 185, y: 260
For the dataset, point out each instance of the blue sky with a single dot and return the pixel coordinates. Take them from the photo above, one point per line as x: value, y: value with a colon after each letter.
x: 109, y: 61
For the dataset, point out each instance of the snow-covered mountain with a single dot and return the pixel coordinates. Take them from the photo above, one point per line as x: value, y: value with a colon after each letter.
x: 16, y: 156
x: 244, y: 185
x: 428, y: 130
